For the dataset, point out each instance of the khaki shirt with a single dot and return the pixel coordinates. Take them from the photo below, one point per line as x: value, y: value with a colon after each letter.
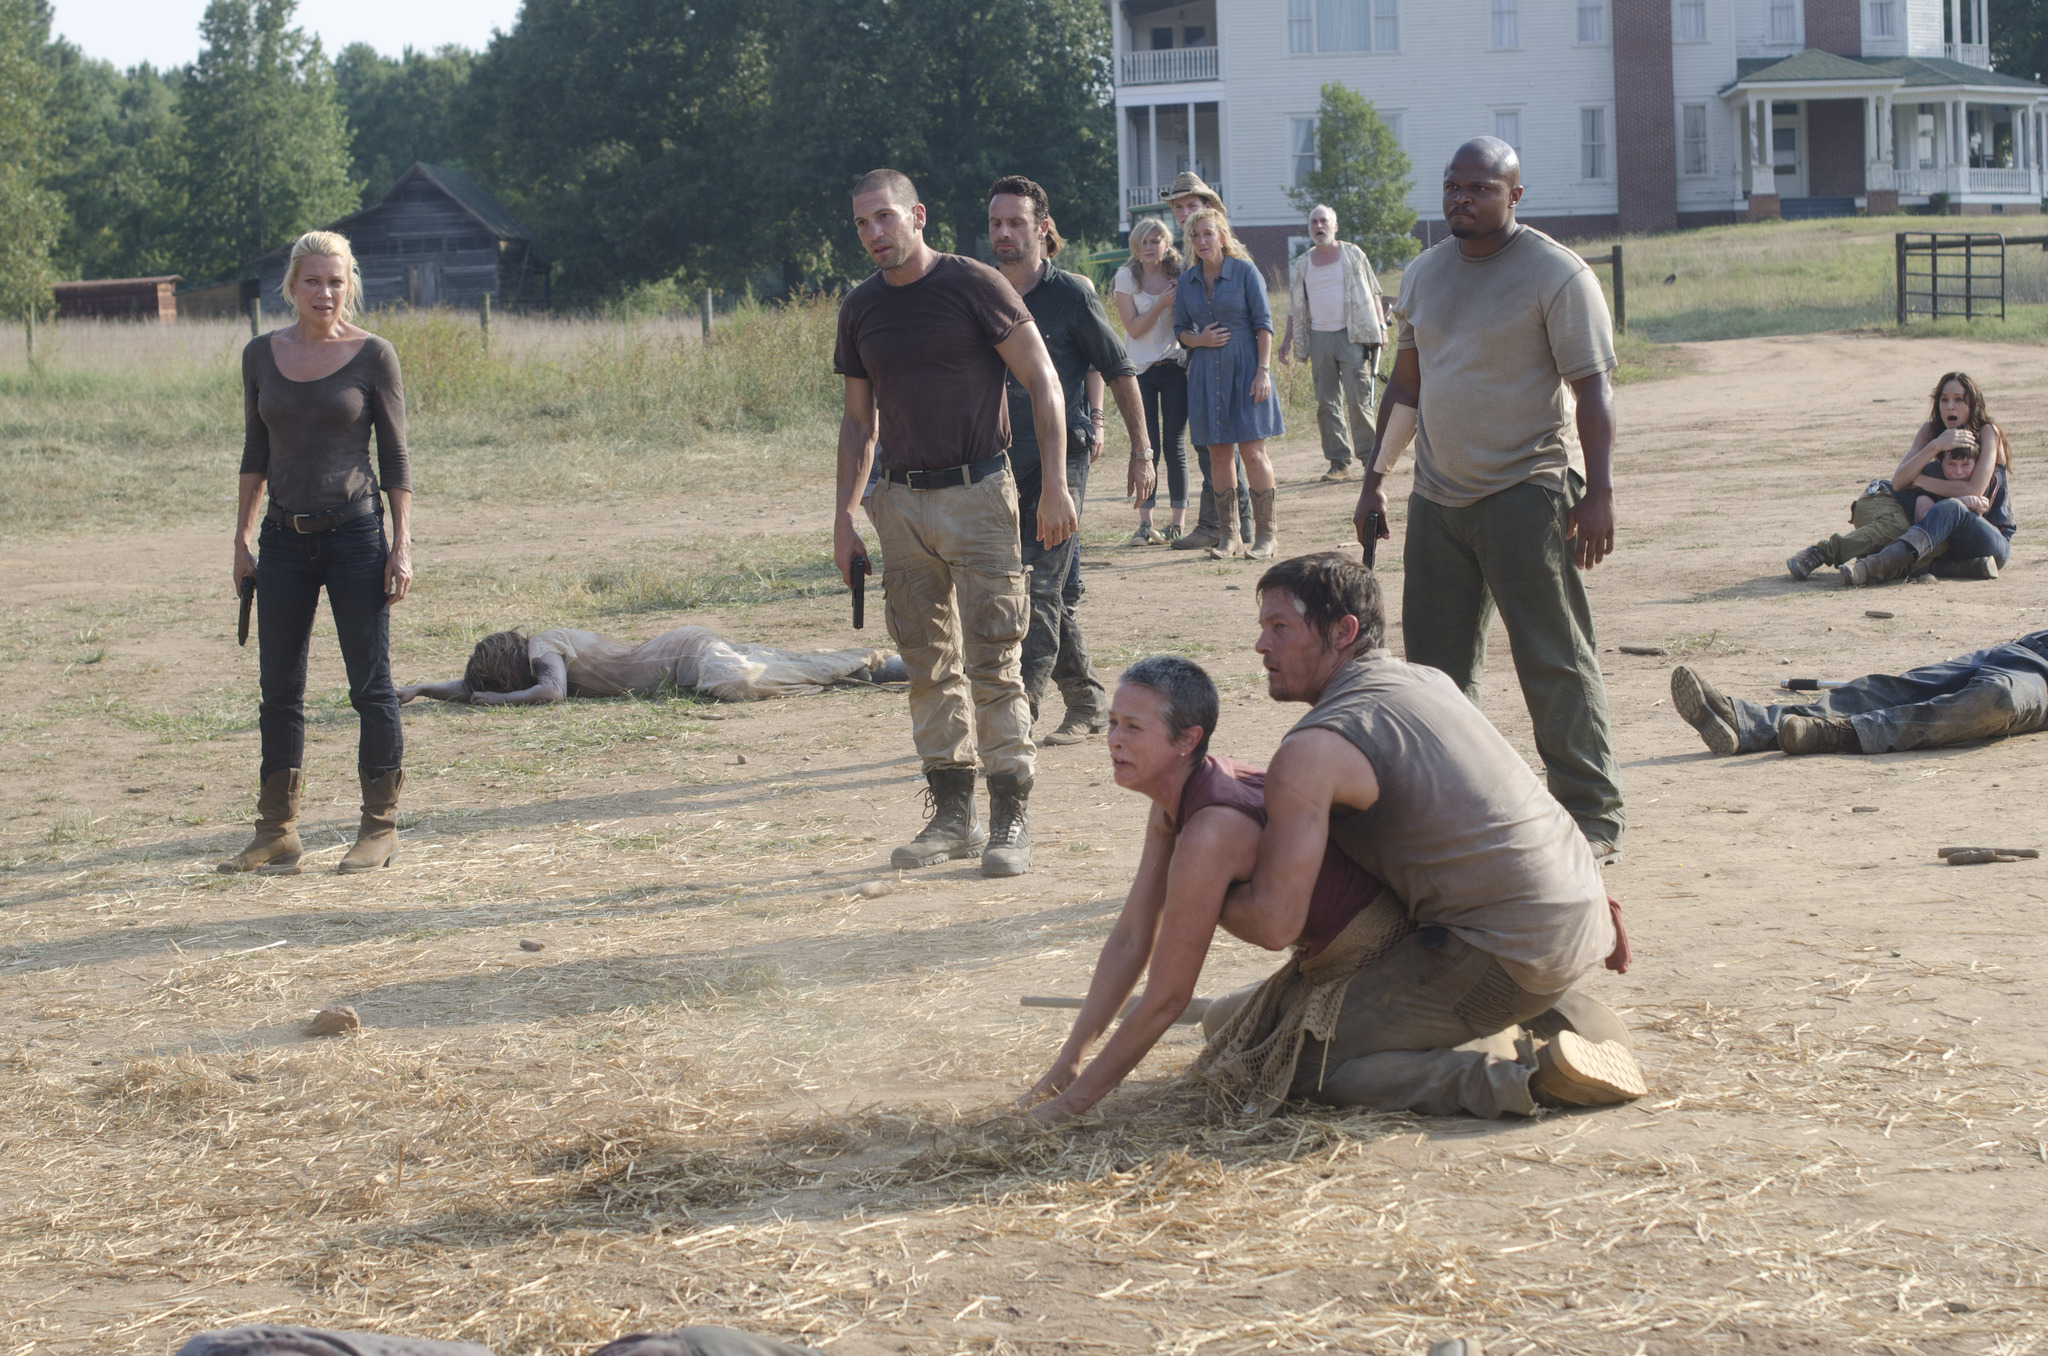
x: 1361, y: 298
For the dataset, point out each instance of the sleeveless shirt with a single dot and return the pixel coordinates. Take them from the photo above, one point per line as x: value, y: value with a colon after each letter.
x: 1342, y: 888
x: 1463, y: 831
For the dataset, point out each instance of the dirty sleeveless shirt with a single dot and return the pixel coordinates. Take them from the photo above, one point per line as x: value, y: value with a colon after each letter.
x: 311, y: 439
x: 1463, y: 832
x: 1342, y: 888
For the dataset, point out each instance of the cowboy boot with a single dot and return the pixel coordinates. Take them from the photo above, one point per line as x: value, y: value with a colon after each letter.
x: 1894, y: 562
x: 1229, y: 545
x: 275, y: 849
x: 377, y: 835
x: 1267, y: 543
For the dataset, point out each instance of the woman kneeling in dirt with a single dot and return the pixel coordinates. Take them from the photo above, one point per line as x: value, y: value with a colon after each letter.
x: 1208, y: 814
x: 1945, y: 508
x: 508, y: 668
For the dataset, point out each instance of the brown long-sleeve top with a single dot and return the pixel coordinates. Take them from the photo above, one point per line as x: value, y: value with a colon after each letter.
x: 312, y: 438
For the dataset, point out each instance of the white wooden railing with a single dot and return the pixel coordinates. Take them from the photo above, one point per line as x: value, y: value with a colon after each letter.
x: 1144, y: 195
x: 1174, y: 66
x: 1956, y: 180
x: 2002, y: 181
x: 1918, y: 183
x: 1879, y: 177
x: 1969, y: 53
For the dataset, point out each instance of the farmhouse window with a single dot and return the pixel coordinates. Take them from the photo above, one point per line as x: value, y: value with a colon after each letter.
x: 1339, y: 26
x: 1693, y: 145
x: 1386, y: 25
x: 1884, y: 19
x: 1784, y: 21
x: 1692, y: 20
x: 1592, y: 143
x: 1505, y: 32
x: 1591, y: 14
x: 1305, y: 159
x: 1507, y: 125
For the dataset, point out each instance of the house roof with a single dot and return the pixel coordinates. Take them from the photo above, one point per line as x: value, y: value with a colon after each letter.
x: 466, y: 192
x: 1813, y: 67
x: 85, y: 286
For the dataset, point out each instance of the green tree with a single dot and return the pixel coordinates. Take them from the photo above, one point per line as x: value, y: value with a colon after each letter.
x: 400, y: 109
x: 1362, y: 173
x: 115, y: 140
x: 30, y: 214
x: 266, y: 145
x: 2019, y: 37
x: 955, y: 93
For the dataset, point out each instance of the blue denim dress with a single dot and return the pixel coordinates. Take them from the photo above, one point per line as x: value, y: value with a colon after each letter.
x: 1220, y: 404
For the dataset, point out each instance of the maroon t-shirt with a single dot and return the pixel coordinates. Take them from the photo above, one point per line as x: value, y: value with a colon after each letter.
x: 1343, y: 888
x: 929, y: 347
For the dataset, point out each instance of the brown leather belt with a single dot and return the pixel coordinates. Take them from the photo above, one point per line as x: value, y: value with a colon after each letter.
x: 326, y: 519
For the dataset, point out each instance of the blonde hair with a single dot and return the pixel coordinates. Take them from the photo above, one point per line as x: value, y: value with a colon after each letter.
x: 334, y: 245
x: 1169, y: 258
x: 1231, y: 248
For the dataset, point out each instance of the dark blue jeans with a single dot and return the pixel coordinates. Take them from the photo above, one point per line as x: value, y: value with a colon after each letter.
x: 1054, y: 653
x: 1956, y: 534
x: 291, y: 569
x: 1163, y: 391
x: 1994, y: 692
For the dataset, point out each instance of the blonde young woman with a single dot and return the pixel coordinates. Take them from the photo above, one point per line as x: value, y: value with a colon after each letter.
x: 1145, y: 289
x: 1223, y: 319
x: 312, y: 395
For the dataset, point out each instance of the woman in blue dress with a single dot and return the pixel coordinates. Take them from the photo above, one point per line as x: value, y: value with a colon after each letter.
x: 1223, y: 319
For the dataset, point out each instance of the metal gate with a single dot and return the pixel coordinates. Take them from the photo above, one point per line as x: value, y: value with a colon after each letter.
x: 1950, y: 273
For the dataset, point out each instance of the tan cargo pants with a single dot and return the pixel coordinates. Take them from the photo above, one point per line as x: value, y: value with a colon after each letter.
x: 957, y: 607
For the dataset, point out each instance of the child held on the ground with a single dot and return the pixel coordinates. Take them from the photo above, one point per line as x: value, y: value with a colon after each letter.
x: 1958, y: 463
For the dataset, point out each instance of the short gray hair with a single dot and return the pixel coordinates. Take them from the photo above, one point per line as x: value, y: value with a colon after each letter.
x: 1187, y: 695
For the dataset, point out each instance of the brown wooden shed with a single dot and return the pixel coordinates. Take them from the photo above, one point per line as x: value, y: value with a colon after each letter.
x: 119, y: 298
x: 436, y: 239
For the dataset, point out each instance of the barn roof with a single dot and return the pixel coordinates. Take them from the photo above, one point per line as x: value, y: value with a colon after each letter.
x: 464, y: 191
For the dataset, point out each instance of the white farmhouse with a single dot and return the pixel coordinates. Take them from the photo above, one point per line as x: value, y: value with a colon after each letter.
x: 1630, y: 115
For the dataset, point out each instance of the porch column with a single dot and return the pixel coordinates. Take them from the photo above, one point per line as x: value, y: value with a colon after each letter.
x: 1955, y: 26
x: 1193, y: 159
x: 1152, y: 151
x: 1763, y: 175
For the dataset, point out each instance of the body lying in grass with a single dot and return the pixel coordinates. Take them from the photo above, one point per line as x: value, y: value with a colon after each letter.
x: 508, y: 668
x: 1382, y: 1004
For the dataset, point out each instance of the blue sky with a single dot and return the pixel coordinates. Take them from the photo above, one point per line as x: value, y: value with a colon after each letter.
x: 166, y: 32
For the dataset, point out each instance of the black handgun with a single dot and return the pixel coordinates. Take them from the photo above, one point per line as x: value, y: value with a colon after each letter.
x: 248, y: 602
x: 1372, y: 538
x: 859, y: 571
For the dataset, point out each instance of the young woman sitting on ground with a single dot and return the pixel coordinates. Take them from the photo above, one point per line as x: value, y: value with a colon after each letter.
x: 510, y: 669
x: 1887, y: 509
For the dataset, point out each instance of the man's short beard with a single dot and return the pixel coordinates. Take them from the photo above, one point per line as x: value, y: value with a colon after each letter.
x: 1015, y: 252
x: 1463, y: 232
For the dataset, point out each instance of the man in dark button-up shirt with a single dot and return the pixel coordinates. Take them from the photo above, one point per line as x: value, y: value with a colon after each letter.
x: 1078, y: 336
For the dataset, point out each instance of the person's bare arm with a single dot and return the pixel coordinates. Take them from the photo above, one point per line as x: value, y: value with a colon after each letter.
x: 1216, y: 845
x: 1130, y: 404
x: 398, y: 566
x: 1990, y: 452
x: 1929, y: 442
x: 856, y: 452
x: 1403, y: 388
x: 248, y: 509
x: 1592, y: 519
x: 552, y: 674
x: 1312, y: 771
x: 1262, y: 376
x: 1138, y: 324
x: 449, y: 690
x: 1024, y: 353
x: 1091, y: 385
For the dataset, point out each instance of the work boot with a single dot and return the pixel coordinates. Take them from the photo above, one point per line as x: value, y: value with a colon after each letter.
x: 952, y: 831
x: 1581, y: 1013
x: 1818, y: 734
x: 1804, y: 563
x: 1894, y: 562
x: 1267, y: 542
x: 1009, y: 834
x: 1231, y: 545
x: 1702, y: 706
x: 377, y: 834
x: 1574, y: 1071
x: 1978, y: 567
x: 275, y: 849
x: 1076, y: 727
x: 1338, y: 473
x: 1200, y: 539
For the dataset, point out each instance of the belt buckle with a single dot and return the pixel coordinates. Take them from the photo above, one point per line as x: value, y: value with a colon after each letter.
x: 297, y: 520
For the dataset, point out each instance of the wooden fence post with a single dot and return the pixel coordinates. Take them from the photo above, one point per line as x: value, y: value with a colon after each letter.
x: 1620, y: 295
x: 707, y: 313
x: 33, y: 366
x: 484, y: 320
x: 1899, y: 268
x: 255, y: 316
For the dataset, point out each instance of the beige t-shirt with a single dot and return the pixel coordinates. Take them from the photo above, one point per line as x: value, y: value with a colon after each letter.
x: 1463, y: 832
x: 1499, y: 340
x: 695, y: 657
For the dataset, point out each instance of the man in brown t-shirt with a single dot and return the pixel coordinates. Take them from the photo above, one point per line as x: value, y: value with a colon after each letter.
x: 924, y: 345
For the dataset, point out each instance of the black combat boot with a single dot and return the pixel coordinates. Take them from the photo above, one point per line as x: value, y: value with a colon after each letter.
x: 952, y: 831
x: 1009, y: 834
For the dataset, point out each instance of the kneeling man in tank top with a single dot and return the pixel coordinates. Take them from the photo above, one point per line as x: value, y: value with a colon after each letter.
x: 1473, y: 1009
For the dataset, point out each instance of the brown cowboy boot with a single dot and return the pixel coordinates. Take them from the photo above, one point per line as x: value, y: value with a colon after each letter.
x: 377, y: 835
x: 275, y: 849
x: 1266, y: 544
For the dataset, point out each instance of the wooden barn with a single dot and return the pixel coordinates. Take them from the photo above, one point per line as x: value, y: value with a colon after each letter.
x: 119, y: 298
x: 436, y: 239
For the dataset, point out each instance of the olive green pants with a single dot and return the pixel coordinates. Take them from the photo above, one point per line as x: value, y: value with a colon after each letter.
x: 1509, y: 552
x: 1875, y: 522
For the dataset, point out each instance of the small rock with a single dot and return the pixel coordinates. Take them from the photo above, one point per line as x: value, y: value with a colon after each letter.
x: 874, y: 889
x: 1876, y: 615
x: 1574, y: 1301
x: 1957, y: 1307
x: 740, y: 760
x: 1862, y: 809
x: 528, y: 944
x: 1231, y: 588
x: 333, y: 1021
x: 1784, y: 661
